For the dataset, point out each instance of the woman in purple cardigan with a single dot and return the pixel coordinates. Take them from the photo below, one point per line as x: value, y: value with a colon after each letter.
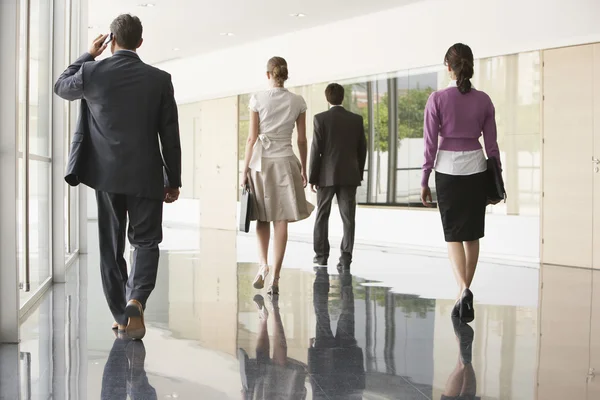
x: 455, y: 118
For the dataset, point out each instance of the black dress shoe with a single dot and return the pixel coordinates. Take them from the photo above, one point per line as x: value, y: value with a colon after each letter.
x: 467, y: 312
x: 343, y: 268
x: 319, y: 261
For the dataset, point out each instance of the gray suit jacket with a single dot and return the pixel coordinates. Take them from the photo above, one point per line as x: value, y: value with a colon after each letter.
x: 339, y: 149
x: 128, y: 140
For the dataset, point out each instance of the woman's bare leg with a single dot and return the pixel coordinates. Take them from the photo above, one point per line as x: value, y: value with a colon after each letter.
x: 472, y: 257
x: 469, y: 386
x: 456, y: 253
x: 279, y: 245
x: 280, y: 342
x: 263, y: 232
x: 455, y: 382
x: 262, y: 342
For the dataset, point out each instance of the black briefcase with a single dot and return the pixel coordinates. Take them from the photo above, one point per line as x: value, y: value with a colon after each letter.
x: 494, y: 183
x: 245, y: 210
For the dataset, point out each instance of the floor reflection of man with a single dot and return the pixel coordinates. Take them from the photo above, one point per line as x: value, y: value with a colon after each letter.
x: 335, y: 362
x: 124, y: 373
x: 266, y: 377
x: 462, y: 384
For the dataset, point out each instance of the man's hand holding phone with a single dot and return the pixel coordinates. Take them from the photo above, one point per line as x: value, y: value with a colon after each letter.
x: 99, y: 45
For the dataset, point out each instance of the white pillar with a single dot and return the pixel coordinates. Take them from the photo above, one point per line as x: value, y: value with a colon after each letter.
x: 80, y: 34
x: 9, y: 278
x: 9, y: 369
x: 60, y: 54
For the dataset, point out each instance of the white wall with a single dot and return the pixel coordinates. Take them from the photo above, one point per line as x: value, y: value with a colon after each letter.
x: 407, y: 37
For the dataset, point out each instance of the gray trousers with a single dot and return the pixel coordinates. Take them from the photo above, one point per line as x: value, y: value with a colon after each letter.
x: 346, y: 197
x: 124, y: 373
x: 145, y: 234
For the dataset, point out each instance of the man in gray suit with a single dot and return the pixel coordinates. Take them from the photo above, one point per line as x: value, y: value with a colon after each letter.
x: 337, y: 163
x: 131, y: 156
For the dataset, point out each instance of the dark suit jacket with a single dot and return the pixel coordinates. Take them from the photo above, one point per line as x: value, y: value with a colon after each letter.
x: 128, y: 131
x: 76, y: 153
x: 339, y: 149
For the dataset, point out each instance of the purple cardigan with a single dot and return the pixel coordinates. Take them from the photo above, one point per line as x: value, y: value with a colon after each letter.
x: 458, y: 120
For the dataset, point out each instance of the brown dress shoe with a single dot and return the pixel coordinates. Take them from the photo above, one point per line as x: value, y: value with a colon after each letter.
x: 135, y: 320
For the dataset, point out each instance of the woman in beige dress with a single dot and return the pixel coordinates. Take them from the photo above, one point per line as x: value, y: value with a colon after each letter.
x: 275, y: 175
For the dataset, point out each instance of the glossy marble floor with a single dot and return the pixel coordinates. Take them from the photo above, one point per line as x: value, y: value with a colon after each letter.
x: 383, y: 332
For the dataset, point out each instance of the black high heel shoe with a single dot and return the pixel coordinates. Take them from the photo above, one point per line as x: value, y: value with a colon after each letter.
x: 467, y: 312
x: 465, y: 335
x: 456, y: 310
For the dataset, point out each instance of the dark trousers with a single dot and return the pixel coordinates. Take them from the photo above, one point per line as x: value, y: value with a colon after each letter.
x: 145, y: 234
x: 345, y: 335
x: 124, y: 373
x: 336, y: 363
x: 346, y: 197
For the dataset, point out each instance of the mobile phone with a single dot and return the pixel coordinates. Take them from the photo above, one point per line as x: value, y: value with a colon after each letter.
x: 109, y: 38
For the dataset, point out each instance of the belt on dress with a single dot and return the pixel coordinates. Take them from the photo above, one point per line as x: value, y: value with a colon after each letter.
x: 263, y: 142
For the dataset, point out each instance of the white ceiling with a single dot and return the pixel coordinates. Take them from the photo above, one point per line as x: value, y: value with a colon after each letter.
x: 194, y: 26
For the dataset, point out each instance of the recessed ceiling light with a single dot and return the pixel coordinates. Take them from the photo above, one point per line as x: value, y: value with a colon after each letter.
x: 176, y: 49
x: 227, y: 34
x: 298, y: 15
x: 146, y: 5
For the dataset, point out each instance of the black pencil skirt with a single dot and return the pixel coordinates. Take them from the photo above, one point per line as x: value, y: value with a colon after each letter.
x: 462, y: 202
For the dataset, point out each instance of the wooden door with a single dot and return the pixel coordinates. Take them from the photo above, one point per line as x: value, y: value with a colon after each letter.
x: 565, y: 308
x: 595, y: 162
x: 217, y: 173
x: 568, y: 148
x: 593, y: 378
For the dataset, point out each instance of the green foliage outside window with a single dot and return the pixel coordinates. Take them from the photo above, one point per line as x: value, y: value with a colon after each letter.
x: 411, y: 106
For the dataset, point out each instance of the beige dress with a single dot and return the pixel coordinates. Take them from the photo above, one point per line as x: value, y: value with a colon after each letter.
x: 275, y: 171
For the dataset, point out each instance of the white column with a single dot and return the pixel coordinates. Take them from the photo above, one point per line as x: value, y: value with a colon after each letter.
x: 60, y: 53
x: 9, y: 288
x: 80, y: 34
x: 60, y: 343
x: 9, y: 369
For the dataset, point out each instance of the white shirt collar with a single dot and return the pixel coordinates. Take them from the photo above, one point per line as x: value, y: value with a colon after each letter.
x: 339, y: 105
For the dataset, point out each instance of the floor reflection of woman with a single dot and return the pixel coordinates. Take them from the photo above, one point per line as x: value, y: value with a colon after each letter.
x: 462, y: 384
x: 278, y: 377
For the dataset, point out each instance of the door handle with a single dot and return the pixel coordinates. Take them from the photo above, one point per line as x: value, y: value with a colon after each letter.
x: 595, y: 161
x: 591, y: 375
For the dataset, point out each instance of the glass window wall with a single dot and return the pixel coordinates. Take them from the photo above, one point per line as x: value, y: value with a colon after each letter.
x: 39, y: 143
x: 34, y: 142
x: 33, y: 133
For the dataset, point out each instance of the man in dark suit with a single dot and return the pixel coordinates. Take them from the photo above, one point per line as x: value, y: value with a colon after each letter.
x: 337, y: 163
x: 131, y: 156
